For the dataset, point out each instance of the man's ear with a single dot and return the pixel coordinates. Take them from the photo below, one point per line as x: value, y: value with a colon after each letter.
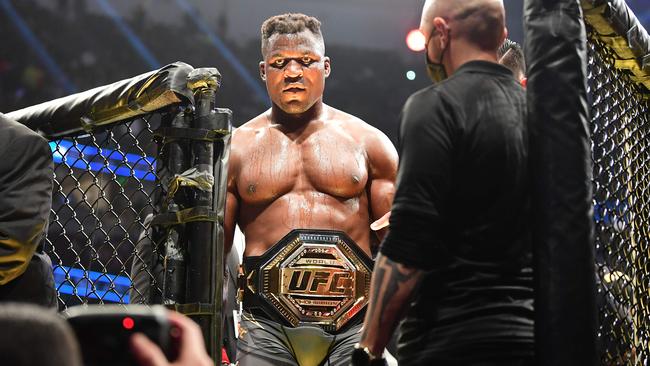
x: 440, y: 26
x: 327, y: 66
x: 263, y: 70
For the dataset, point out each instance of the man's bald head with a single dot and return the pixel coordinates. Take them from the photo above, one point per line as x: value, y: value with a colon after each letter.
x: 480, y: 22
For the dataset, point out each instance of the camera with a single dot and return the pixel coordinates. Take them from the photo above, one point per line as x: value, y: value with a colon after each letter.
x: 104, y: 332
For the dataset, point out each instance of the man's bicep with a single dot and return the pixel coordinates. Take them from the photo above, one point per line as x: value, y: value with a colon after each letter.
x: 230, y: 218
x: 232, y: 197
x: 382, y: 192
x: 383, y: 172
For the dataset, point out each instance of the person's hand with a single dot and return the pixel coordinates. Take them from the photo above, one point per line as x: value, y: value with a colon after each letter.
x: 191, y: 350
x: 381, y: 223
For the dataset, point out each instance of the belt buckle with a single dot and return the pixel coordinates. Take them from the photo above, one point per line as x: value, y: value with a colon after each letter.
x: 315, y: 277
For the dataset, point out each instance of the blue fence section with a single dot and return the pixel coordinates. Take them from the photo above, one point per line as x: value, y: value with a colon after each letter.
x: 91, y: 284
x: 103, y: 160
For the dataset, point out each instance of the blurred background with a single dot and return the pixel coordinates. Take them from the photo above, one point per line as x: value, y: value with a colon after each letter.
x: 52, y: 48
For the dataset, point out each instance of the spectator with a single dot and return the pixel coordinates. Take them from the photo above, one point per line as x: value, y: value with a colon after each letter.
x: 35, y: 336
x: 191, y: 348
x: 25, y: 202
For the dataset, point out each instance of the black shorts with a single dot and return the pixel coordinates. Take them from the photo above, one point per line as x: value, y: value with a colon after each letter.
x: 264, y: 342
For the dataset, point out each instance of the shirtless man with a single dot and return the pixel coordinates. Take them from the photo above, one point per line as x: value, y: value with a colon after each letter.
x: 302, y: 165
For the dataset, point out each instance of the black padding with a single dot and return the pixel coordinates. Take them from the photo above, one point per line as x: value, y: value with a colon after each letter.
x: 109, y: 103
x: 566, y: 317
x: 627, y: 25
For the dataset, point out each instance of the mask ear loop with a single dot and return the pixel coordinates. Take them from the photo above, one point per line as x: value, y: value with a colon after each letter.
x: 435, y: 70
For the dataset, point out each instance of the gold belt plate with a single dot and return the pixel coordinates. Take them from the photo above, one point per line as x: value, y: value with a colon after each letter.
x: 316, y: 277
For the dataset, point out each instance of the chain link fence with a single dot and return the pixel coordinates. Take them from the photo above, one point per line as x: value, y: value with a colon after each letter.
x: 620, y: 128
x: 105, y: 185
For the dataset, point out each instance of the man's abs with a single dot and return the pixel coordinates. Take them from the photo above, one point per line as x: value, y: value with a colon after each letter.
x: 265, y: 225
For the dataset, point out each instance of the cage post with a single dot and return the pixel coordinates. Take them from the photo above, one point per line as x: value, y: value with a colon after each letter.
x: 560, y: 167
x: 176, y: 152
x: 205, y: 267
x: 222, y: 155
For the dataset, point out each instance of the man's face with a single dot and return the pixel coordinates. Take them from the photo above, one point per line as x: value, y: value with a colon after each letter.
x: 295, y: 69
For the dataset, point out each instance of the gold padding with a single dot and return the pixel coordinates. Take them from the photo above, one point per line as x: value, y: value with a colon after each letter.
x: 625, y: 57
x: 14, y: 264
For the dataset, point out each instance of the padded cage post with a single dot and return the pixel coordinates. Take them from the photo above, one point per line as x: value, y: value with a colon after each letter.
x: 176, y: 156
x: 139, y: 181
x: 196, y: 151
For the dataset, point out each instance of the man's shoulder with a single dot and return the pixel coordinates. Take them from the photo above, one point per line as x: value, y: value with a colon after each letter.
x: 428, y: 92
x: 18, y: 135
x: 22, y: 147
x: 11, y: 127
x: 425, y: 98
x: 259, y: 121
x: 253, y: 126
x: 372, y: 139
x: 351, y: 124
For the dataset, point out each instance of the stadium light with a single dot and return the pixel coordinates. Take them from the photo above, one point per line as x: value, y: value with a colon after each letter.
x: 410, y: 75
x: 415, y: 40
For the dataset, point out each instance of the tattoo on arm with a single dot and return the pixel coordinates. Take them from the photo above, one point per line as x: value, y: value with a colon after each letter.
x: 378, y: 275
x: 392, y: 287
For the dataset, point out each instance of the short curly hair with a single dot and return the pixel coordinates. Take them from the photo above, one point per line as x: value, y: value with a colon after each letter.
x: 511, y: 55
x: 290, y: 23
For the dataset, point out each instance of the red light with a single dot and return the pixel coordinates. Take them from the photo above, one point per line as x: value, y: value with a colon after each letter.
x: 524, y: 82
x: 128, y: 323
x: 415, y: 40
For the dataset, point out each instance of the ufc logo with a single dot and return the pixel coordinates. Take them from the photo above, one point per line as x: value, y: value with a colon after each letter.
x: 321, y: 282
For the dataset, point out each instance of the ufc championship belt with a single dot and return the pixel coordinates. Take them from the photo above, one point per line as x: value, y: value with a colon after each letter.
x: 310, y: 277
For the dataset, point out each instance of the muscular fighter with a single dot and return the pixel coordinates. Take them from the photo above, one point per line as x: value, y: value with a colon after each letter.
x: 302, y: 165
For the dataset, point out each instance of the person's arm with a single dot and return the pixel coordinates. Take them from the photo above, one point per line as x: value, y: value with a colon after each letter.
x: 392, y: 285
x: 232, y: 197
x: 382, y: 158
x: 413, y: 245
x: 191, y: 350
x: 25, y: 197
x: 229, y: 222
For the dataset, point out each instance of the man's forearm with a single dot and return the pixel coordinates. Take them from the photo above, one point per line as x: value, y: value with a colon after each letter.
x: 391, y: 289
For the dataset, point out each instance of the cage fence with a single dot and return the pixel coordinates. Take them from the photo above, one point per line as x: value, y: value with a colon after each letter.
x: 105, y: 185
x: 620, y: 129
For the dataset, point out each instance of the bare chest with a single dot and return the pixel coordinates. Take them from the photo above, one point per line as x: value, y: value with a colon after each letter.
x: 324, y: 162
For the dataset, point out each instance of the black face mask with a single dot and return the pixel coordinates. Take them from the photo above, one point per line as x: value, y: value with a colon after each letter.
x: 435, y: 70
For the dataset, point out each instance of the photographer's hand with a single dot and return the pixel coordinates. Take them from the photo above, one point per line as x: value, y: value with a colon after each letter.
x: 191, y: 348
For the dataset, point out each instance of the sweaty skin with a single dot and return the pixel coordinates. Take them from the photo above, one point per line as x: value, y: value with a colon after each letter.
x: 303, y: 164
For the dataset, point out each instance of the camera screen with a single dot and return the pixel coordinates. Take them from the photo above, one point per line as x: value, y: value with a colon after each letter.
x: 104, y: 336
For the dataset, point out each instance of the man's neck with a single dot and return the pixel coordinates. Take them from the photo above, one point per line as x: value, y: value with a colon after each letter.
x: 463, y: 53
x: 292, y: 122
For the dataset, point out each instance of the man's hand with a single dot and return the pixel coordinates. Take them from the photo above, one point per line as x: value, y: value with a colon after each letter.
x: 191, y: 348
x: 381, y: 223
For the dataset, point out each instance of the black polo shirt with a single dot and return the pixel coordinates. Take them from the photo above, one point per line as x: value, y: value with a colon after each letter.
x: 461, y: 212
